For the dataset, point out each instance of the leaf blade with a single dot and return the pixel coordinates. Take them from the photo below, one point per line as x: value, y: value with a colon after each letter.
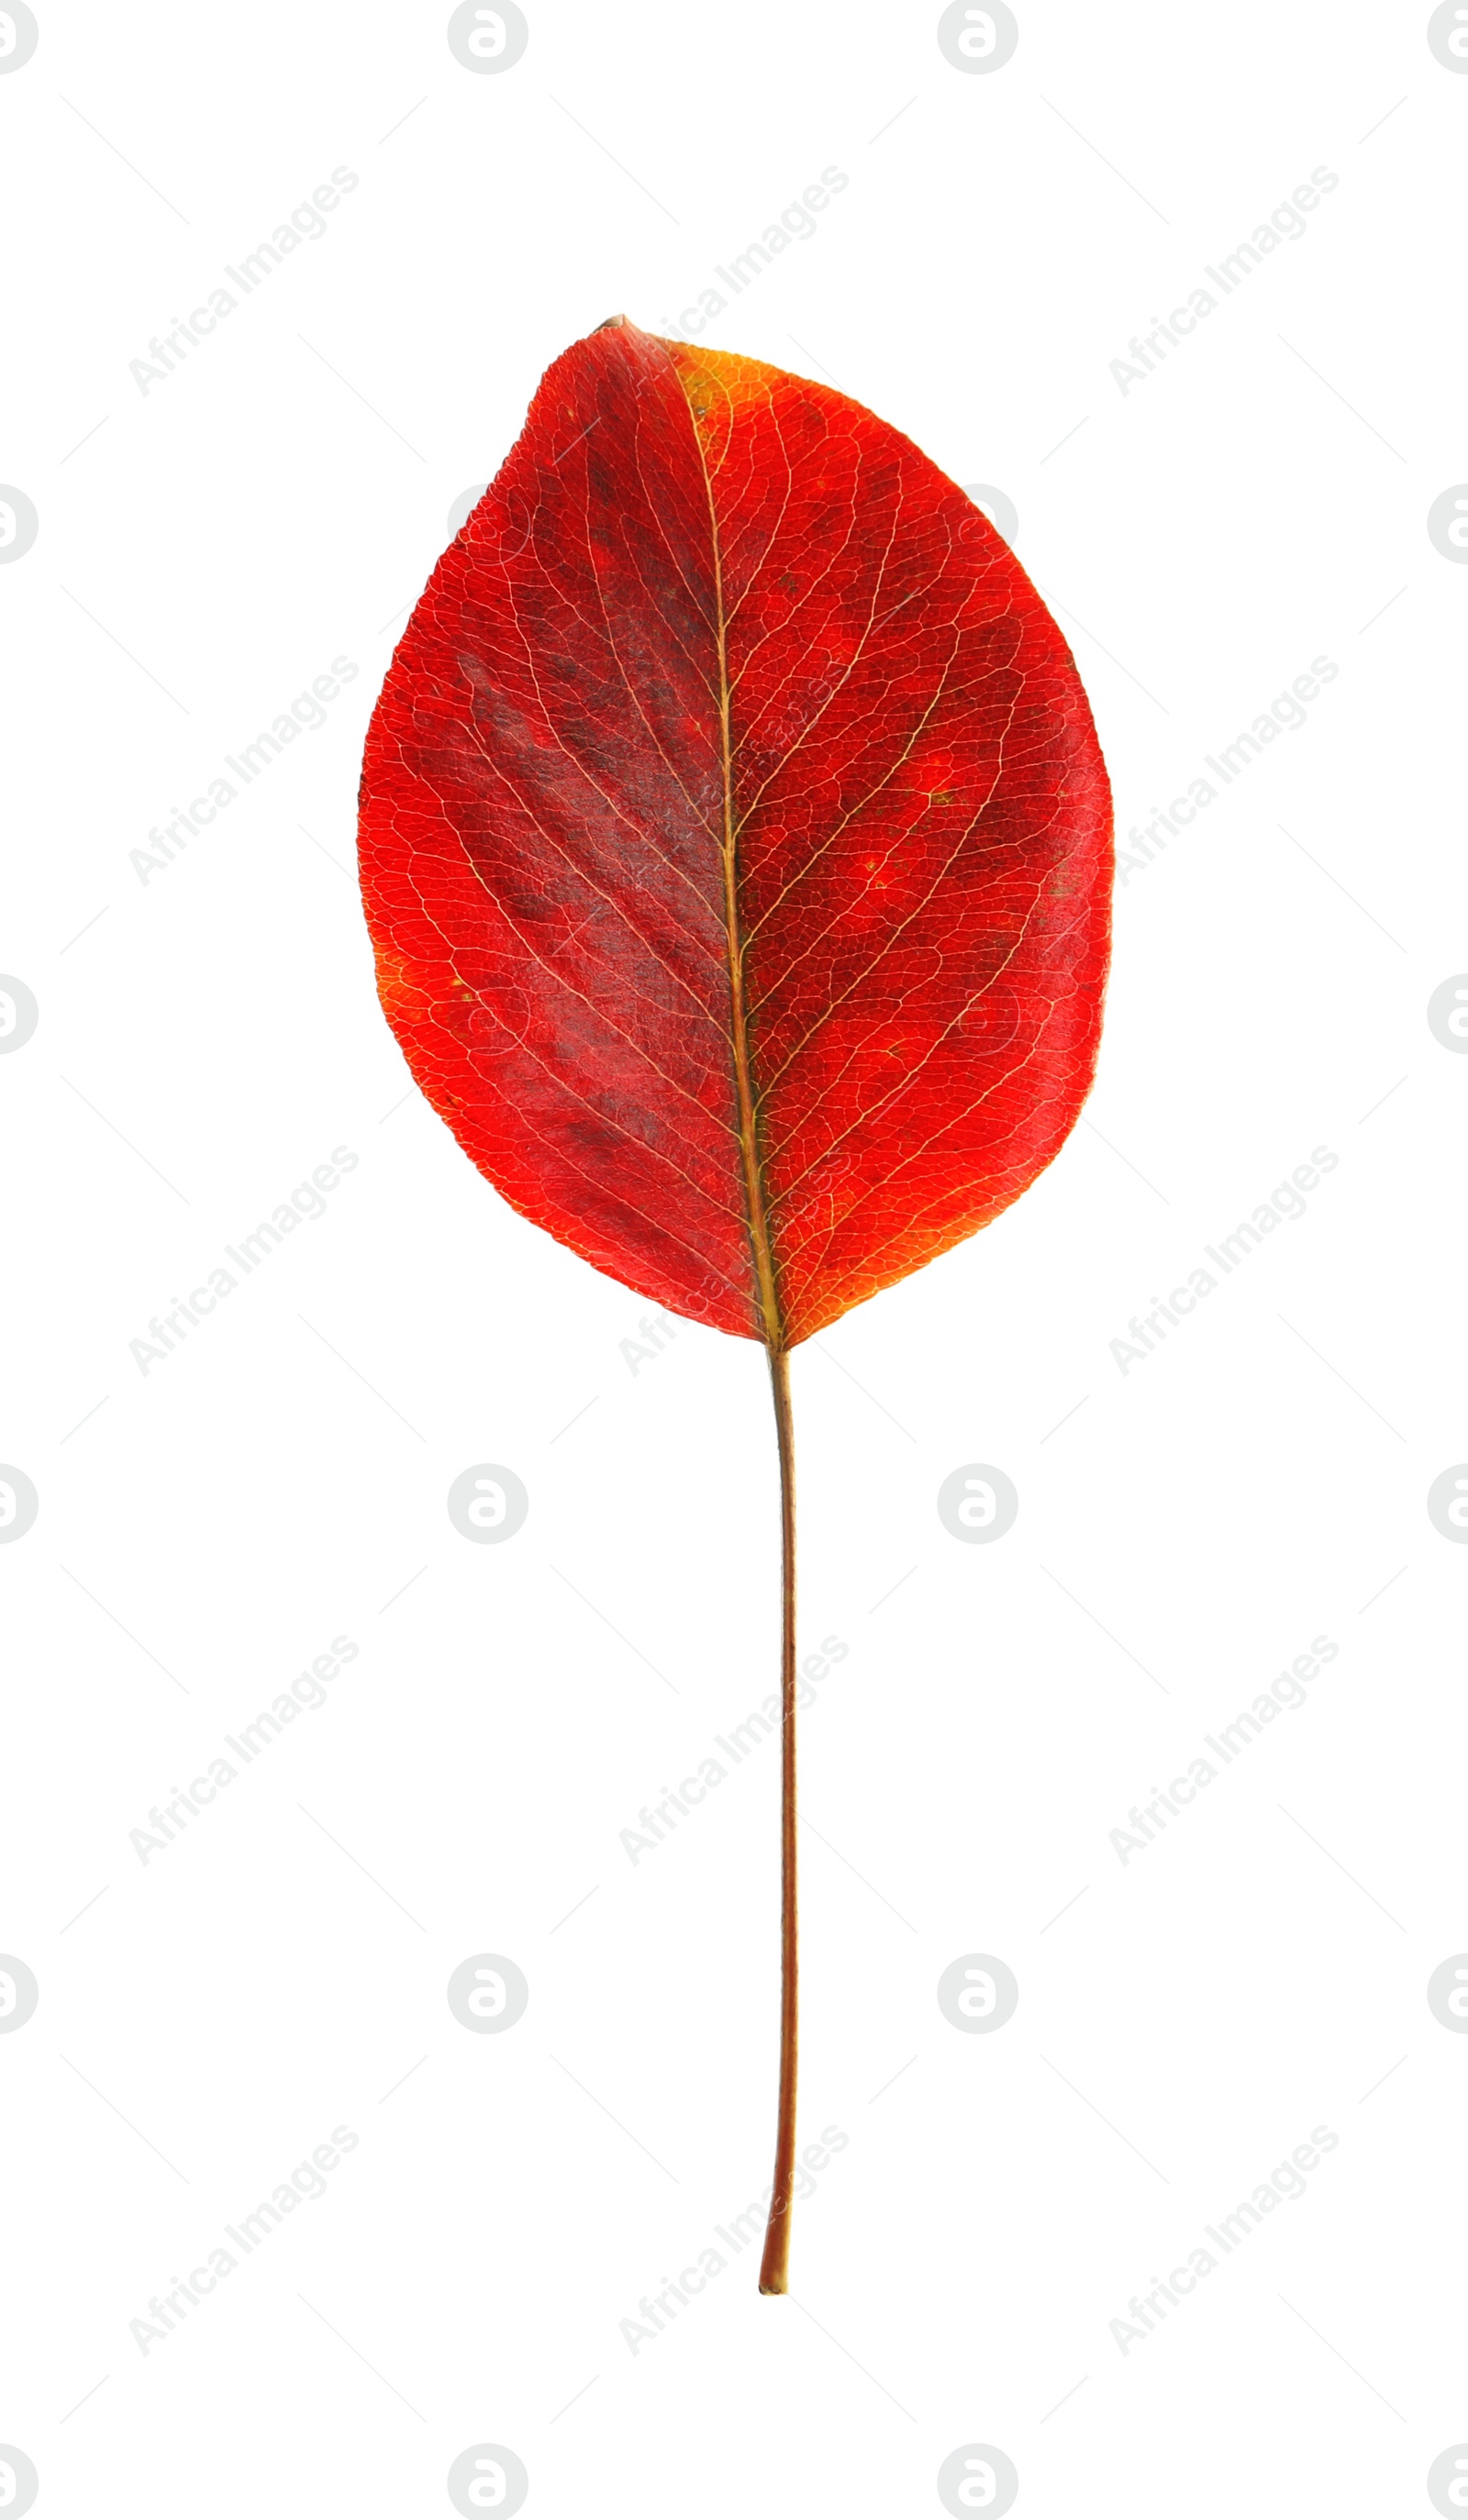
x: 726, y: 692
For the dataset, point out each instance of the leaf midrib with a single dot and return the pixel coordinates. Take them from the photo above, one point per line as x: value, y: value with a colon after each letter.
x: 766, y: 1294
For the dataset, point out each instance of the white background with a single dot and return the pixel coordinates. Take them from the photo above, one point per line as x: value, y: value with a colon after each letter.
x: 208, y: 1036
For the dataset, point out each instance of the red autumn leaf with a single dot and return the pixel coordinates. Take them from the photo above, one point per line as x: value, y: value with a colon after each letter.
x: 736, y: 850
x: 726, y: 692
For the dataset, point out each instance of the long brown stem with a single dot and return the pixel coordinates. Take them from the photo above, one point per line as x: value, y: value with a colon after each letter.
x: 775, y: 2267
